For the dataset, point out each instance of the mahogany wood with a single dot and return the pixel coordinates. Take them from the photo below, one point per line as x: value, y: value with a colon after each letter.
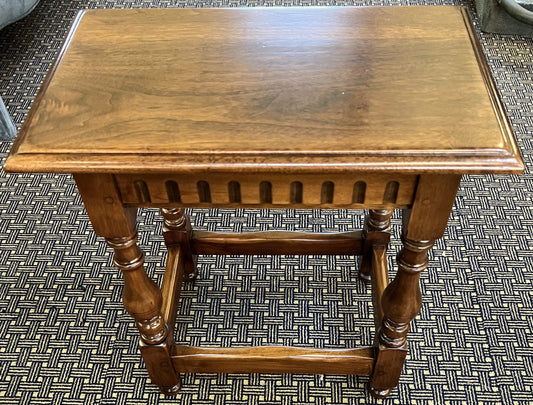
x: 273, y: 359
x: 276, y: 243
x: 376, y: 107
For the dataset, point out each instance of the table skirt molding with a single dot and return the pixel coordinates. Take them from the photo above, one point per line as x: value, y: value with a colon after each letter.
x: 344, y: 190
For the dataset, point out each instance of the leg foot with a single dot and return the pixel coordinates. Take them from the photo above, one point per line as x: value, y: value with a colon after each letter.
x: 159, y: 364
x: 379, y: 394
x: 171, y: 391
x: 363, y: 275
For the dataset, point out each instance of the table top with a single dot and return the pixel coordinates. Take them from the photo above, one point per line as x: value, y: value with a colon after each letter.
x: 279, y: 89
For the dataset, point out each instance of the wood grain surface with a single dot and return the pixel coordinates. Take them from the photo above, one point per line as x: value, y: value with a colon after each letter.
x: 371, y: 88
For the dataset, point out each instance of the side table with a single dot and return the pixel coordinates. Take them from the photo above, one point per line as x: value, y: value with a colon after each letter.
x: 379, y: 108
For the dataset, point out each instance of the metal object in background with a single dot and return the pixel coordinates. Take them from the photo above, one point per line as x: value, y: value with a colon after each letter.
x: 506, y: 16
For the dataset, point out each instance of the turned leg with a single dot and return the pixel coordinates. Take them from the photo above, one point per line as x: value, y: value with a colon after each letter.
x: 142, y: 297
x: 376, y: 231
x: 142, y: 300
x: 423, y: 223
x: 177, y: 231
x: 401, y: 302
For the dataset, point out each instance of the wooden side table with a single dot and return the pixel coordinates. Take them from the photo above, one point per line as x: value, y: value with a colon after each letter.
x: 380, y: 108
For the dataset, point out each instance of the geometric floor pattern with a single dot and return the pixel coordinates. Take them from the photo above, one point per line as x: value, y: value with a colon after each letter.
x: 66, y: 339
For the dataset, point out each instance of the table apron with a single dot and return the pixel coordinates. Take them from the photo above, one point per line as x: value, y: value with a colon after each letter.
x: 257, y: 190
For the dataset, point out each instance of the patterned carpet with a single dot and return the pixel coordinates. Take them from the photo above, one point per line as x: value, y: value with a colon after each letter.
x: 65, y: 338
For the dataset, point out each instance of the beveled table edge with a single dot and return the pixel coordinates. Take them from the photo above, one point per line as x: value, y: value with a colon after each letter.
x: 506, y: 160
x: 175, y: 163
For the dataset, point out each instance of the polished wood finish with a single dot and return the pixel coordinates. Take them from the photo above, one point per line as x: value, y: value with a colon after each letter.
x: 142, y: 298
x: 379, y: 279
x: 158, y: 361
x: 273, y: 359
x: 177, y: 231
x: 400, y: 303
x: 428, y: 216
x: 265, y: 189
x: 380, y: 108
x: 300, y: 89
x: 376, y: 232
x: 172, y: 284
x: 424, y: 222
x: 276, y: 243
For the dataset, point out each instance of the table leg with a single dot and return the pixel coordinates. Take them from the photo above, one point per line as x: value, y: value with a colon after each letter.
x: 142, y: 297
x: 401, y: 301
x: 142, y: 300
x: 177, y: 230
x: 376, y: 231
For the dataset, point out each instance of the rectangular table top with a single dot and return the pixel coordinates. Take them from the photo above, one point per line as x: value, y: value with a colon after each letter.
x: 280, y: 89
